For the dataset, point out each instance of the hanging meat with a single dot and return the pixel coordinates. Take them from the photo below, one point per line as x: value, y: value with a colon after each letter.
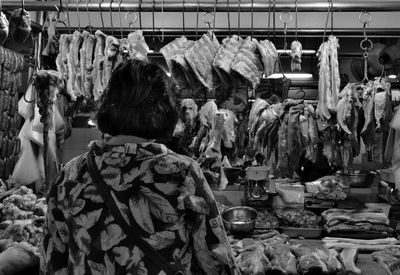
x: 225, y: 55
x: 4, y: 28
x: 247, y: 62
x: 20, y: 25
x: 313, y: 139
x: 86, y: 55
x: 329, y: 78
x: 344, y: 108
x: 110, y: 58
x: 174, y: 54
x: 98, y: 64
x: 295, y: 55
x: 138, y: 48
x: 187, y: 123
x: 294, y: 138
x: 62, y: 57
x: 382, y: 104
x: 269, y: 56
x: 74, y: 70
x: 369, y: 128
x: 200, y: 58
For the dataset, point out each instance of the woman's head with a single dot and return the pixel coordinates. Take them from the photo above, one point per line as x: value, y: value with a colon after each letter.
x: 139, y: 100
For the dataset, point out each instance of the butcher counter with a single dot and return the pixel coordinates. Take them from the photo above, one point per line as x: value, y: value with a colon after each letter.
x: 364, y: 260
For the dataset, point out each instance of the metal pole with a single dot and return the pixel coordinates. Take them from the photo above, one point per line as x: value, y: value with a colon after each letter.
x: 307, y: 6
x: 259, y: 32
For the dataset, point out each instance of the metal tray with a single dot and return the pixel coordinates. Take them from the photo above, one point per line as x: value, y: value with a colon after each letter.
x: 307, y: 233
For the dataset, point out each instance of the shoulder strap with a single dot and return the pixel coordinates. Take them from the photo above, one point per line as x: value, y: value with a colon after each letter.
x: 128, y: 230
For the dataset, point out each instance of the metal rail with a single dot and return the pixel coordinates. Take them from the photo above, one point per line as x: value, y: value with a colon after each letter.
x: 257, y: 32
x: 194, y: 6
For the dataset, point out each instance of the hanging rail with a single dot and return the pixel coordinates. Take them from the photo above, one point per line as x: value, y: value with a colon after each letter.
x: 193, y: 6
x: 257, y: 32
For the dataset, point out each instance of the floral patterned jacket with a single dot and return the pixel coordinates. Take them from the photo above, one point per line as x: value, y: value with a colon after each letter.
x: 165, y: 193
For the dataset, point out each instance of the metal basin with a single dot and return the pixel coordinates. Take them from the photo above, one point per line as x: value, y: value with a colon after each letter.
x: 357, y: 179
x: 239, y: 219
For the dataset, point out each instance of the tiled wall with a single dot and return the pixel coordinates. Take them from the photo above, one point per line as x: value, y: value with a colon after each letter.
x: 77, y: 143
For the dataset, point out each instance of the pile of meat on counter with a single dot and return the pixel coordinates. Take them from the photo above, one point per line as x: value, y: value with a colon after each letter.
x: 86, y: 61
x: 269, y: 252
x: 22, y: 218
x: 357, y: 222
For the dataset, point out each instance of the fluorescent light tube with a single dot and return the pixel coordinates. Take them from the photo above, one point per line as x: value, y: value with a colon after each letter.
x: 296, y: 76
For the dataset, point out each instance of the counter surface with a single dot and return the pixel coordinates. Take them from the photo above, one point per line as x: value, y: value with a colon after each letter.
x: 364, y: 261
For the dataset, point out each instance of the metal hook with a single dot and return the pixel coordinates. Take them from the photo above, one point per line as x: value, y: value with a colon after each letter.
x: 140, y: 14
x: 120, y: 19
x: 152, y: 19
x: 131, y: 21
x: 331, y: 16
x: 88, y: 15
x: 111, y: 18
x: 367, y: 46
x: 269, y: 18
x: 252, y: 18
x: 295, y: 4
x: 101, y: 13
x: 366, y: 20
x: 229, y: 17
x: 77, y: 14
x: 285, y: 20
x: 215, y: 14
x: 197, y: 19
x: 183, y: 17
x: 162, y: 22
x: 69, y: 25
x: 274, y: 19
x: 326, y: 22
x: 208, y: 21
x: 239, y: 18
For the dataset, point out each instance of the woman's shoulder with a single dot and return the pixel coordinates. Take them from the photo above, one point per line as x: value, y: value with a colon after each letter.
x: 173, y: 162
x: 72, y: 168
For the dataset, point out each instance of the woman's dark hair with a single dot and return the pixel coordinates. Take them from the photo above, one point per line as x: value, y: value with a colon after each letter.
x: 139, y: 100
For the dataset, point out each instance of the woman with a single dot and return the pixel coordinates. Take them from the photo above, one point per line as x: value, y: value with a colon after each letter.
x: 162, y: 196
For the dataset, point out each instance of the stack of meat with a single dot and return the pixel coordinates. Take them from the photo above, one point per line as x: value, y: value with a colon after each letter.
x: 21, y: 228
x: 86, y: 61
x: 389, y: 259
x: 207, y: 62
x: 272, y: 253
x: 11, y: 66
x: 363, y: 223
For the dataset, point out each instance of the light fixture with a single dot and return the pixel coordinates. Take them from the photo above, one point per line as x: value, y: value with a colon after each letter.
x: 307, y: 52
x: 294, y: 76
x: 169, y: 74
x: 150, y: 51
x: 392, y: 76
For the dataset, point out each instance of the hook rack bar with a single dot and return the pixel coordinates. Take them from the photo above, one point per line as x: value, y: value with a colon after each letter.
x: 260, y: 32
x: 281, y: 6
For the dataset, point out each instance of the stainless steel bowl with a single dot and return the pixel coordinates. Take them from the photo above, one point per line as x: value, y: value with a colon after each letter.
x: 239, y: 219
x: 358, y: 179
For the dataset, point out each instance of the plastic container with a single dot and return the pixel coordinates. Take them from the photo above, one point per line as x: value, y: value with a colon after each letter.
x: 385, y: 207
